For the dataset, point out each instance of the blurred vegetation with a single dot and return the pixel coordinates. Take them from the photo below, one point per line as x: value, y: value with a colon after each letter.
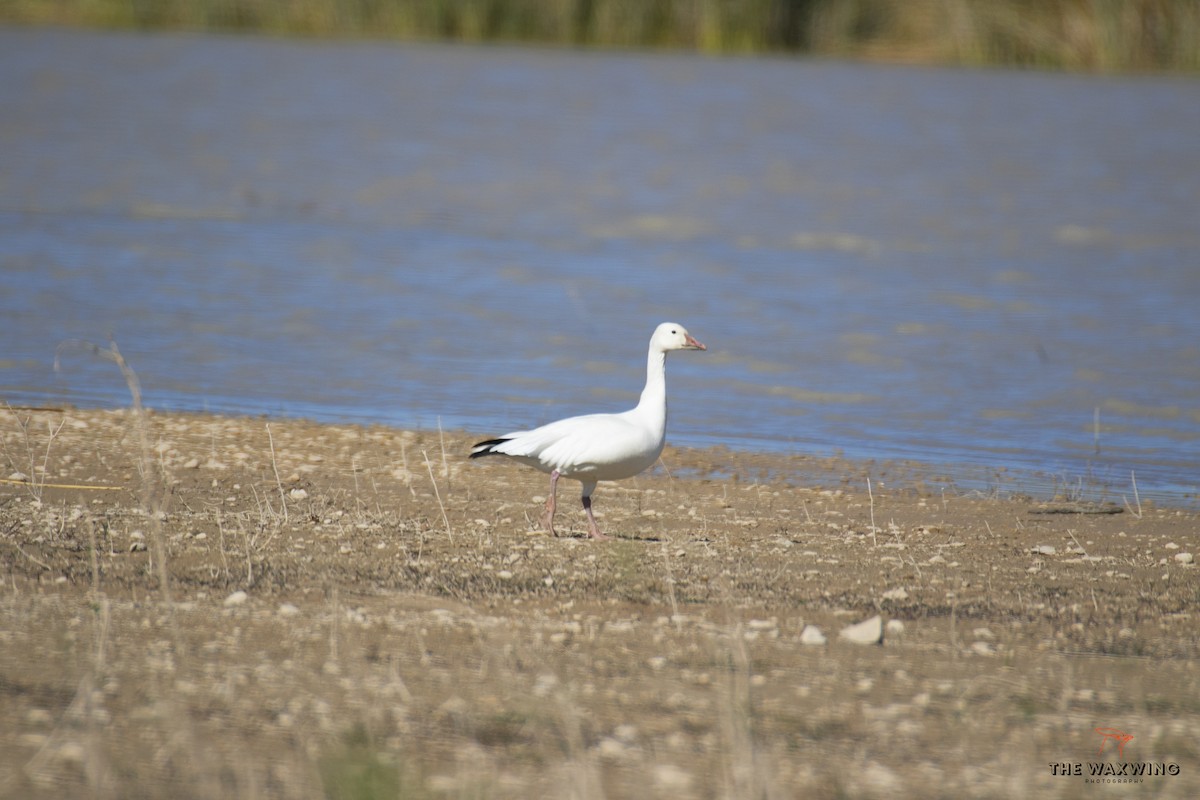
x: 1089, y: 35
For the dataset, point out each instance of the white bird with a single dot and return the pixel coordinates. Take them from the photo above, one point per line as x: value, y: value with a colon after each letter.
x: 600, y: 447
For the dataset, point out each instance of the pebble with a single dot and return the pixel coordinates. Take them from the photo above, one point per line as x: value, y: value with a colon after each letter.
x: 1185, y: 558
x: 672, y: 779
x: 1045, y: 549
x: 880, y: 780
x: 545, y: 684
x: 39, y: 716
x: 626, y: 733
x: 288, y: 610
x: 610, y: 748
x: 298, y: 494
x: 236, y: 599
x: 895, y: 594
x: 983, y: 649
x: 453, y: 707
x: 894, y: 626
x: 812, y: 635
x: 868, y: 631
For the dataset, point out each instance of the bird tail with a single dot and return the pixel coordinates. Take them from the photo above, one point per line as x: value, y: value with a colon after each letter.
x: 486, y: 448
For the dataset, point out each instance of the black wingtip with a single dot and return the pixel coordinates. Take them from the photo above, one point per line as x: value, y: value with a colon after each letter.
x: 485, y: 448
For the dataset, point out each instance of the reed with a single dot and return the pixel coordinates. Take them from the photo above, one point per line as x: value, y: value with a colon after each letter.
x: 1102, y: 35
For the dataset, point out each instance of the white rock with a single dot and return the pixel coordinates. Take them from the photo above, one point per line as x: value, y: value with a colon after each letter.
x: 610, y: 748
x: 545, y: 684
x: 868, y: 631
x: 983, y: 649
x: 895, y: 594
x: 1045, y: 549
x: 443, y: 784
x: 812, y: 635
x: 297, y: 494
x: 288, y: 610
x: 72, y: 751
x: 39, y: 716
x: 237, y: 598
x: 881, y: 780
x: 894, y: 626
x: 672, y: 779
x: 453, y: 707
x: 626, y: 733
x: 1185, y: 558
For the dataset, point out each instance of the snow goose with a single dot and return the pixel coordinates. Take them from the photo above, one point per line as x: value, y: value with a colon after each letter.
x: 600, y: 447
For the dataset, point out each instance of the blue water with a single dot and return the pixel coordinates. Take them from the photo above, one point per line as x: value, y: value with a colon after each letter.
x: 993, y: 273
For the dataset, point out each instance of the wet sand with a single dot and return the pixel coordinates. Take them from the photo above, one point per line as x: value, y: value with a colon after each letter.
x: 204, y: 606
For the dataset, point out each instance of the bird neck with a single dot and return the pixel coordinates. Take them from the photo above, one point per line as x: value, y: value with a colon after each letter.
x: 653, y: 405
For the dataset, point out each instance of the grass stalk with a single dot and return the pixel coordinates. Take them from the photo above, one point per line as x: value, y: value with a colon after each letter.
x: 151, y: 501
x: 275, y: 468
x: 1137, y: 498
x: 874, y: 528
x: 437, y: 494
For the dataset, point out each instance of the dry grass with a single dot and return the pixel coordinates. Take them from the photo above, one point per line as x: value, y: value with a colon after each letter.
x: 374, y: 654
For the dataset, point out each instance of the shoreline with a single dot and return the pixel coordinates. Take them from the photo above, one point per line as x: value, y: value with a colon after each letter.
x: 830, y: 469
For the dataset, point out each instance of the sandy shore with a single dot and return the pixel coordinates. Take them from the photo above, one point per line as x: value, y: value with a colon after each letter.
x: 238, y: 607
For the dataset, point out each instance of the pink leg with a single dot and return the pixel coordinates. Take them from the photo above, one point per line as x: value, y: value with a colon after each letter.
x: 593, y: 528
x: 548, y: 517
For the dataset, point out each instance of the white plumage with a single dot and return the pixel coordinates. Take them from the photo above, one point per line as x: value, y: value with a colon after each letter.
x: 600, y: 447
